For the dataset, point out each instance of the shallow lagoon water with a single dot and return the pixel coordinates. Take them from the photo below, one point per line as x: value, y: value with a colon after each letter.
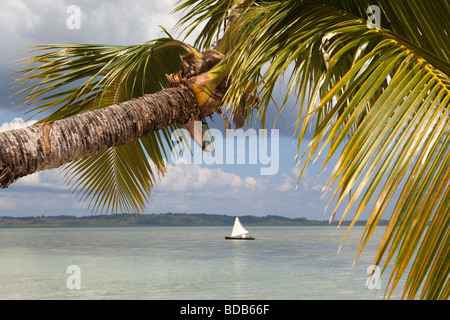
x: 185, y: 263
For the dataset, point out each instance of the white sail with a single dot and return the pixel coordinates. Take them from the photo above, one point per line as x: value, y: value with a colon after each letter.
x: 238, y: 229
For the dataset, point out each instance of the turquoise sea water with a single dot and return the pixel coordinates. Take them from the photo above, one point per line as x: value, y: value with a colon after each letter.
x: 185, y: 263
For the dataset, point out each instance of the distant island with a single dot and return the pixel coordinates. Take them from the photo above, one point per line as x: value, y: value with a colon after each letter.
x: 156, y: 220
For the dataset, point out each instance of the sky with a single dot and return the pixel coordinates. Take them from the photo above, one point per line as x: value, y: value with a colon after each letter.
x: 231, y: 189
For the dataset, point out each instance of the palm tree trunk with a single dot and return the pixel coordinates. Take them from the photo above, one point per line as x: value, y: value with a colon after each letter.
x: 47, y: 146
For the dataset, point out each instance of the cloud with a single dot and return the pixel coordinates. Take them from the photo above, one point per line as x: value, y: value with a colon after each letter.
x: 194, y: 179
x: 189, y: 188
x: 15, y: 203
x: 185, y: 188
x: 41, y: 193
x: 6, y: 203
x: 286, y: 184
x: 51, y: 180
x: 193, y: 188
x: 16, y: 123
x: 112, y: 22
x: 26, y: 23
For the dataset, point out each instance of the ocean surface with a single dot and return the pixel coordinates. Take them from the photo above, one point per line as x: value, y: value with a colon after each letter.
x: 172, y: 263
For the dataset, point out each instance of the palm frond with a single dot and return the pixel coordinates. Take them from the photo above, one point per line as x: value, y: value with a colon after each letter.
x: 380, y: 97
x: 208, y: 15
x: 120, y: 179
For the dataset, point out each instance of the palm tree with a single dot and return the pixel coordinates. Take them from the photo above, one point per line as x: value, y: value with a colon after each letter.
x: 376, y: 95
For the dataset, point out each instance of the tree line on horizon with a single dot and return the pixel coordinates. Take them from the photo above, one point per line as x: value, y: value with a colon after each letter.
x: 165, y: 219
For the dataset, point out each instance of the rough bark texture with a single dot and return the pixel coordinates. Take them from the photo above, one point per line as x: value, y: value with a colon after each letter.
x: 47, y: 146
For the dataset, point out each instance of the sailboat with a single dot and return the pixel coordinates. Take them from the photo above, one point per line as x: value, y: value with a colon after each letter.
x: 239, y: 232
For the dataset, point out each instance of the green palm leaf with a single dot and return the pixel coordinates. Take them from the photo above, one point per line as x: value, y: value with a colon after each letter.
x: 119, y: 179
x: 210, y: 14
x: 378, y: 100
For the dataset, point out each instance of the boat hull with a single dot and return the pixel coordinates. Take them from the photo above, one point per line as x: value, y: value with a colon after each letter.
x: 238, y: 238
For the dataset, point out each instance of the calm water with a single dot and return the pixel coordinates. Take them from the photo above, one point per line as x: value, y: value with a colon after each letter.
x: 184, y: 263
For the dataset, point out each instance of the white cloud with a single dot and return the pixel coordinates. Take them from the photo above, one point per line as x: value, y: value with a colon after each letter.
x: 193, y: 188
x: 51, y: 180
x: 185, y: 188
x: 31, y: 22
x: 191, y: 179
x: 16, y: 123
x: 13, y: 202
x: 287, y: 183
x: 6, y: 203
